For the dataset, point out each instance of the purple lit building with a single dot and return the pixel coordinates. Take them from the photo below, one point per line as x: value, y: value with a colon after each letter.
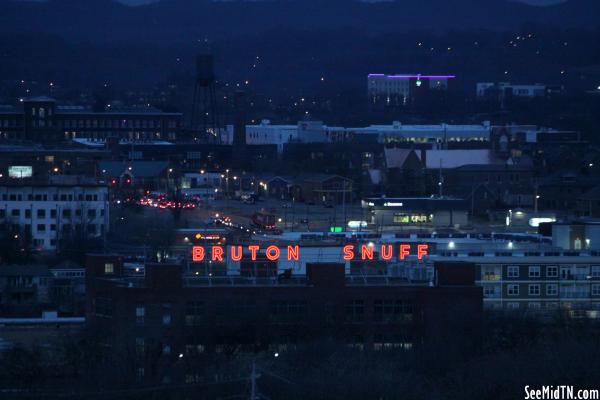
x: 398, y: 89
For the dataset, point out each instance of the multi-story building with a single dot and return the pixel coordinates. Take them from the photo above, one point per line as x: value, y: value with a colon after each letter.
x: 53, y: 211
x: 168, y: 313
x: 491, y: 186
x: 41, y: 119
x: 501, y: 90
x: 50, y: 160
x: 386, y: 90
x: 514, y: 270
x: 561, y: 191
x: 396, y: 132
x: 432, y: 135
x: 26, y: 290
x: 266, y: 133
x: 541, y: 282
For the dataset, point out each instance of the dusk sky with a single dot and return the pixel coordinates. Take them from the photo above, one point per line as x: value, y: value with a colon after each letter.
x: 535, y: 2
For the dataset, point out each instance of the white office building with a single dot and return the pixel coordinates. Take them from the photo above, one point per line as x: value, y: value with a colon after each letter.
x: 51, y: 212
x: 439, y: 133
x: 436, y: 135
x: 267, y: 133
x: 502, y: 89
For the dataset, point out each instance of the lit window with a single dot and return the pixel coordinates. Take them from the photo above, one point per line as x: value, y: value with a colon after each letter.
x: 109, y: 268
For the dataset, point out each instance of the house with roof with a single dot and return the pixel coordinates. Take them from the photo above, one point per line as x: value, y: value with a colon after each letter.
x: 280, y: 187
x: 310, y: 188
x: 404, y: 172
x: 325, y: 188
x: 136, y: 174
x: 402, y: 159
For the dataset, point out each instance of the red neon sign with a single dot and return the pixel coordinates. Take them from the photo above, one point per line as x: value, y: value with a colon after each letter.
x: 350, y: 252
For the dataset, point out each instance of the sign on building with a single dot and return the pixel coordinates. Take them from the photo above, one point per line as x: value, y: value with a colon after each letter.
x: 20, y: 171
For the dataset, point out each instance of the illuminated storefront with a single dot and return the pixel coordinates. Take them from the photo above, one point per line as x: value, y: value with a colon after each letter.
x: 416, y: 211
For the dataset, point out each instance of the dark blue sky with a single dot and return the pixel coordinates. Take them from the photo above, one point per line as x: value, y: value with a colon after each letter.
x: 536, y: 2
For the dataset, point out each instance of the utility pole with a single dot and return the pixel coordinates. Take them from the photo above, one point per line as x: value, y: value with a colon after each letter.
x: 253, y: 377
x: 472, y: 200
x: 535, y: 200
x: 440, y: 180
x: 344, y: 203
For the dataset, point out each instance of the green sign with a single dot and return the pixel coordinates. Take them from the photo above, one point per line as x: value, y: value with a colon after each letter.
x: 335, y: 229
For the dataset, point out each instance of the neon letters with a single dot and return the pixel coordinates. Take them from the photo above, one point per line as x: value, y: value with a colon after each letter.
x: 350, y: 252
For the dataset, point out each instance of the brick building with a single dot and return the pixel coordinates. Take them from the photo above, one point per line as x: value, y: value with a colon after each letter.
x: 166, y: 314
x: 41, y: 119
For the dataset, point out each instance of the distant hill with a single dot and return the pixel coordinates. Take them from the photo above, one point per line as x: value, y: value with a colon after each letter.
x: 182, y: 20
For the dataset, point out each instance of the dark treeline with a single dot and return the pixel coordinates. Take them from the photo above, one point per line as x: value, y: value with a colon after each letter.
x: 512, y: 351
x: 292, y: 74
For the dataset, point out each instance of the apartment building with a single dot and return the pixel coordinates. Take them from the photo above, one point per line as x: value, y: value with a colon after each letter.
x: 49, y: 212
x: 540, y: 283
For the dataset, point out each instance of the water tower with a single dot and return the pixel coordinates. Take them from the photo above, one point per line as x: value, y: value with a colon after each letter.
x: 205, y: 119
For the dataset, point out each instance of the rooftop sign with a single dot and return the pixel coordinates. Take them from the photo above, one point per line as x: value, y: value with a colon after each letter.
x: 365, y: 252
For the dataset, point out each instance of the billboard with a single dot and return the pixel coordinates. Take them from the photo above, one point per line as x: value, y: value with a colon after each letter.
x: 20, y: 171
